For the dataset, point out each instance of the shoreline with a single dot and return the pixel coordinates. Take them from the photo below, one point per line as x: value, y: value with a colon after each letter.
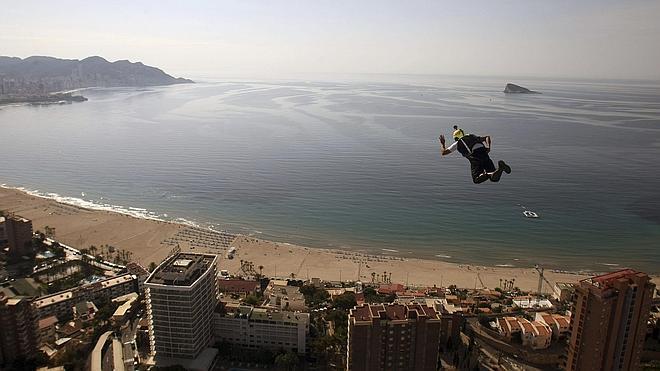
x: 43, y: 99
x: 149, y: 239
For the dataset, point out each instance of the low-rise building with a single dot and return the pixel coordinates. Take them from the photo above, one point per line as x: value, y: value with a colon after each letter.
x: 84, y: 311
x: 559, y: 324
x: 128, y: 301
x: 508, y: 327
x: 25, y: 287
x: 536, y: 335
x: 529, y: 302
x: 61, y: 304
x: 255, y: 328
x: 140, y: 272
x: 47, y: 330
x: 238, y: 287
x: 563, y: 291
x: 282, y: 297
x: 391, y: 288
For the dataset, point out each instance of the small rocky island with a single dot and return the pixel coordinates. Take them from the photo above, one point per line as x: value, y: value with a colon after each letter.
x: 48, y: 80
x: 513, y: 88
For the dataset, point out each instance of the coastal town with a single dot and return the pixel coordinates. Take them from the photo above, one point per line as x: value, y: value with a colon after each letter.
x: 207, y: 305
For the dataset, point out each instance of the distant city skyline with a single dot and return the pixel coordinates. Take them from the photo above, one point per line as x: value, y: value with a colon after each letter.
x: 587, y: 39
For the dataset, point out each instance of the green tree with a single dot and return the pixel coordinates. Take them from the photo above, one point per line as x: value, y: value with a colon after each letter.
x: 314, y: 296
x: 152, y: 266
x: 345, y: 301
x: 252, y: 299
x: 287, y: 361
x: 49, y: 232
x: 371, y: 295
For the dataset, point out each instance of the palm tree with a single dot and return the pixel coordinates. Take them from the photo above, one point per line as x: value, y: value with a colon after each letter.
x: 93, y: 250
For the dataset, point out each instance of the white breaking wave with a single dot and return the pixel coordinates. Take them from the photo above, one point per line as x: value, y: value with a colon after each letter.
x: 135, y: 212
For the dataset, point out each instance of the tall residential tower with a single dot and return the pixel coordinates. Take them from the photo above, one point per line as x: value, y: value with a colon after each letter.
x: 608, y: 324
x: 182, y: 294
x: 393, y: 337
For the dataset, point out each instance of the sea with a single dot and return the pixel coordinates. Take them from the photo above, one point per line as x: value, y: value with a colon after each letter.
x: 354, y: 163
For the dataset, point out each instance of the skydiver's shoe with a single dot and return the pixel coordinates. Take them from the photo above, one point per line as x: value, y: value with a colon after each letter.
x: 502, y: 165
x: 496, y: 175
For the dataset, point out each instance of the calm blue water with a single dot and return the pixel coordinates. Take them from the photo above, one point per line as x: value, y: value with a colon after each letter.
x: 357, y: 164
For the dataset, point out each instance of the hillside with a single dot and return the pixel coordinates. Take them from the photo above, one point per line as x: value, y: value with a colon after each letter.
x: 41, y: 75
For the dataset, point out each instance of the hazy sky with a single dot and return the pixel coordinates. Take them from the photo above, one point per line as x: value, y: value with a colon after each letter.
x: 586, y: 39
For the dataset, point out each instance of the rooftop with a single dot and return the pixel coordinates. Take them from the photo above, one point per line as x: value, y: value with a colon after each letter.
x: 136, y: 269
x: 66, y: 295
x: 525, y: 324
x: 53, y: 299
x: 392, y: 312
x: 541, y: 329
x: 606, y: 280
x: 47, y: 322
x: 391, y: 288
x: 21, y: 287
x: 237, y: 285
x: 181, y: 269
x: 260, y: 314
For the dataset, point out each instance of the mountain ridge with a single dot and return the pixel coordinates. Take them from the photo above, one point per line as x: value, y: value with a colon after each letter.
x: 45, y: 74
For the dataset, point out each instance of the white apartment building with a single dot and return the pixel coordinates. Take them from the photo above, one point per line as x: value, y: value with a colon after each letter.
x: 181, y: 296
x: 255, y: 328
x: 283, y: 297
x: 61, y: 304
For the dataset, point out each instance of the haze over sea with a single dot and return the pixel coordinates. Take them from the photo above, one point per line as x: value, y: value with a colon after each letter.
x: 355, y: 164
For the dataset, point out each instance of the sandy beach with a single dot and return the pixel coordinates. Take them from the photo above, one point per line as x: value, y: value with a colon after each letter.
x: 151, y: 240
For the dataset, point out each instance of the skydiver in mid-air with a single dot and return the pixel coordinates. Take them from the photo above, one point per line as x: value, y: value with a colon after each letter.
x: 476, y: 149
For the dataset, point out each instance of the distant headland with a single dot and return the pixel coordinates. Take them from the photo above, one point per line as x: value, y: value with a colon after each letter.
x: 513, y: 88
x: 38, y: 79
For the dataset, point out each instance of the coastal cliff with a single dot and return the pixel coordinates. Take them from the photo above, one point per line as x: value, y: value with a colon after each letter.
x: 38, y: 76
x: 513, y: 88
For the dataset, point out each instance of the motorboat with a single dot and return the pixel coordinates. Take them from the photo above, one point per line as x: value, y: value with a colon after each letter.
x: 530, y: 214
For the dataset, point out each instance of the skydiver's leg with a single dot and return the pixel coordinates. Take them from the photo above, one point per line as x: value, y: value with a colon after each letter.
x: 479, y: 175
x: 488, y: 165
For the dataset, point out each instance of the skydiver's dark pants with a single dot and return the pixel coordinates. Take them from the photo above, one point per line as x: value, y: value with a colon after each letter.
x: 480, y: 161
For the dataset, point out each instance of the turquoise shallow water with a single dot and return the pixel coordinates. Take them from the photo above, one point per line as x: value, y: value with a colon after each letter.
x: 356, y: 164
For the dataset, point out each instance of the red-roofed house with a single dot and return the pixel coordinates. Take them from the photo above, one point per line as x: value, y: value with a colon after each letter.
x: 391, y: 288
x: 508, y: 326
x: 536, y: 335
x: 239, y: 287
x: 558, y: 323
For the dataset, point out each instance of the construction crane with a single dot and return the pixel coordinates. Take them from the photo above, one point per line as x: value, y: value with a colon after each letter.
x: 539, y: 269
x: 480, y: 281
x: 541, y: 279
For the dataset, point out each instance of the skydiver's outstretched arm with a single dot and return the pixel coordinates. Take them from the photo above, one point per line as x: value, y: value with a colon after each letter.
x: 444, y: 151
